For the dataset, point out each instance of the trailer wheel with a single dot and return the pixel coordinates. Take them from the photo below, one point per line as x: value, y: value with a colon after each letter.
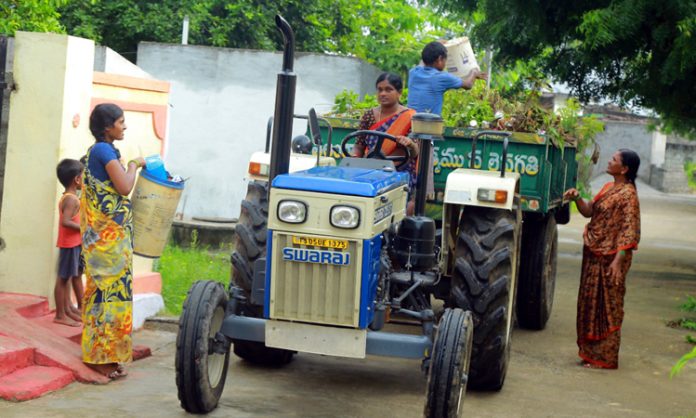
x: 202, y: 353
x: 250, y: 245
x: 537, y: 272
x: 449, y: 365
x: 482, y: 282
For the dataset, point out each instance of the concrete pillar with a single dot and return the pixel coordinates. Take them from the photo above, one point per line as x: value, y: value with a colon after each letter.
x: 657, y: 153
x: 48, y: 118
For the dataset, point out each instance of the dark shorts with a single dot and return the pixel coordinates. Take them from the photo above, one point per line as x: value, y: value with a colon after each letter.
x: 70, y: 263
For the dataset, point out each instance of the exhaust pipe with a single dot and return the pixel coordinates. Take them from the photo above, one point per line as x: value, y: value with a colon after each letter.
x: 284, y: 104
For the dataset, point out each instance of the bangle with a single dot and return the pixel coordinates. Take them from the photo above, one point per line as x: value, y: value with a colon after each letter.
x: 137, y: 164
x: 576, y: 198
x: 623, y: 253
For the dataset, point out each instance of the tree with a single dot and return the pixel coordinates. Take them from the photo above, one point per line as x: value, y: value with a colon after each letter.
x: 639, y: 52
x: 387, y: 33
x: 29, y: 15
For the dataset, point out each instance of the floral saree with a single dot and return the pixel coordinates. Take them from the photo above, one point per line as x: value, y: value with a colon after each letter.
x: 107, y: 245
x: 614, y: 226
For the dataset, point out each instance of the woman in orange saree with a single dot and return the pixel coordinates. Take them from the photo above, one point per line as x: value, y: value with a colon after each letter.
x: 393, y: 118
x: 107, y: 246
x: 610, y: 238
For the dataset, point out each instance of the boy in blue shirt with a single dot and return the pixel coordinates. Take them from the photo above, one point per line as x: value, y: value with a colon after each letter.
x: 427, y: 85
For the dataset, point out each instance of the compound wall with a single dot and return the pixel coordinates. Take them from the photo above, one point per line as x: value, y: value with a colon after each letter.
x: 221, y: 101
x: 632, y: 135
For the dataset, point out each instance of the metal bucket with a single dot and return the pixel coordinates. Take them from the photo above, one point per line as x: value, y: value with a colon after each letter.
x: 154, y: 204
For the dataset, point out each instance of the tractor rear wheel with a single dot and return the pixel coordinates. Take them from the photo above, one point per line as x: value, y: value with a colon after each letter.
x: 250, y: 236
x: 250, y: 245
x: 202, y: 352
x: 449, y: 365
x: 482, y: 282
x: 537, y: 271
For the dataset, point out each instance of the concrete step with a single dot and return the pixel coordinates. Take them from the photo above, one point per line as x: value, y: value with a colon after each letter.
x: 28, y: 306
x: 32, y: 382
x: 14, y: 355
x: 73, y: 334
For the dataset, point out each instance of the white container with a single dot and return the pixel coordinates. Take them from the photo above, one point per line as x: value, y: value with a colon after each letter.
x: 461, y: 60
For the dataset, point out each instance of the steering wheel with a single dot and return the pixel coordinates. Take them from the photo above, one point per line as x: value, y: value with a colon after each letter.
x: 398, y: 160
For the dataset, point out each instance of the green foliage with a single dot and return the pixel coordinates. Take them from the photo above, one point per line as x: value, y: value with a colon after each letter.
x: 519, y: 110
x: 682, y: 362
x: 30, y: 15
x: 181, y: 267
x: 348, y: 104
x: 690, y: 168
x: 688, y: 323
x: 639, y: 52
x: 387, y: 33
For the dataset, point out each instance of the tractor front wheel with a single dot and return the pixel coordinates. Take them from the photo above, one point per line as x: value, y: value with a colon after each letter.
x: 449, y: 365
x: 202, y: 352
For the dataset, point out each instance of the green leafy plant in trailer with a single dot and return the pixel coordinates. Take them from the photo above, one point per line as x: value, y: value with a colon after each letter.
x: 510, y: 109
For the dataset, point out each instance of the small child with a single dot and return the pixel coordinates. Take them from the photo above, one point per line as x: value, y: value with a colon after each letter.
x: 70, y: 264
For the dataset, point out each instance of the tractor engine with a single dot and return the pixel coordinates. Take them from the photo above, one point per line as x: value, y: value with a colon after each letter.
x: 414, y: 244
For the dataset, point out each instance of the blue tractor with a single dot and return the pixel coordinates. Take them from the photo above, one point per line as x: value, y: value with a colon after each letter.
x: 325, y: 257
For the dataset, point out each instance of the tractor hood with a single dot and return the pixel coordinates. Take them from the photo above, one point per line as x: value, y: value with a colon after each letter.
x: 342, y: 180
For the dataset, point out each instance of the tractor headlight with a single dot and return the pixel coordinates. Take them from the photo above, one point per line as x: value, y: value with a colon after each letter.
x: 346, y: 217
x: 292, y: 211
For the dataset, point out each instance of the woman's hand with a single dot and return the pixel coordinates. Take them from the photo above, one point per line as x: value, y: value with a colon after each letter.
x: 615, y: 269
x: 571, y: 194
x: 140, y: 161
x: 585, y: 208
x: 408, y: 143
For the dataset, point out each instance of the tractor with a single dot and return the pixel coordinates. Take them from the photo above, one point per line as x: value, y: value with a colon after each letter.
x: 326, y: 257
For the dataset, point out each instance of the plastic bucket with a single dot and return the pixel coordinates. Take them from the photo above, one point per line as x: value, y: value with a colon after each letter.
x: 155, y: 166
x: 154, y: 203
x: 461, y: 60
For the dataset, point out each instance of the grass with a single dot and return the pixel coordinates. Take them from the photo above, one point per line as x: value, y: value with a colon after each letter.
x: 687, y: 323
x: 181, y: 267
x: 690, y: 168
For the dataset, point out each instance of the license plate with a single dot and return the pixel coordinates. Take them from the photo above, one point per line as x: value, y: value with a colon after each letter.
x: 320, y: 242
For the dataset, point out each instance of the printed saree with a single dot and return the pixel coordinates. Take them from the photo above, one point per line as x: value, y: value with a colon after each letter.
x: 398, y: 124
x: 107, y: 245
x: 614, y: 226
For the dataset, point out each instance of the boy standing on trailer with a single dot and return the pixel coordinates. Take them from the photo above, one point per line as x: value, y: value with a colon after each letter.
x: 428, y: 83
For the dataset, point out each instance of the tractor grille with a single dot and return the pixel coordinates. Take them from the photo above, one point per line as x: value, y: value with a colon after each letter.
x: 311, y: 292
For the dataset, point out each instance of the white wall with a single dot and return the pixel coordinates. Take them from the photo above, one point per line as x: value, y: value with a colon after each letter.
x: 221, y: 100
x: 631, y: 135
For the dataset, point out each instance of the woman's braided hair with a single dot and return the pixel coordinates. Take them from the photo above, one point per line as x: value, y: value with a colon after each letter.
x: 103, y: 116
x: 630, y: 159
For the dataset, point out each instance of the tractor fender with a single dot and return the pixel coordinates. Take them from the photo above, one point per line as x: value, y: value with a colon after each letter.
x: 464, y: 188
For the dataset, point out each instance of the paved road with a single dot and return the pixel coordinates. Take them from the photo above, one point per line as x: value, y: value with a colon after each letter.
x: 544, y: 378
